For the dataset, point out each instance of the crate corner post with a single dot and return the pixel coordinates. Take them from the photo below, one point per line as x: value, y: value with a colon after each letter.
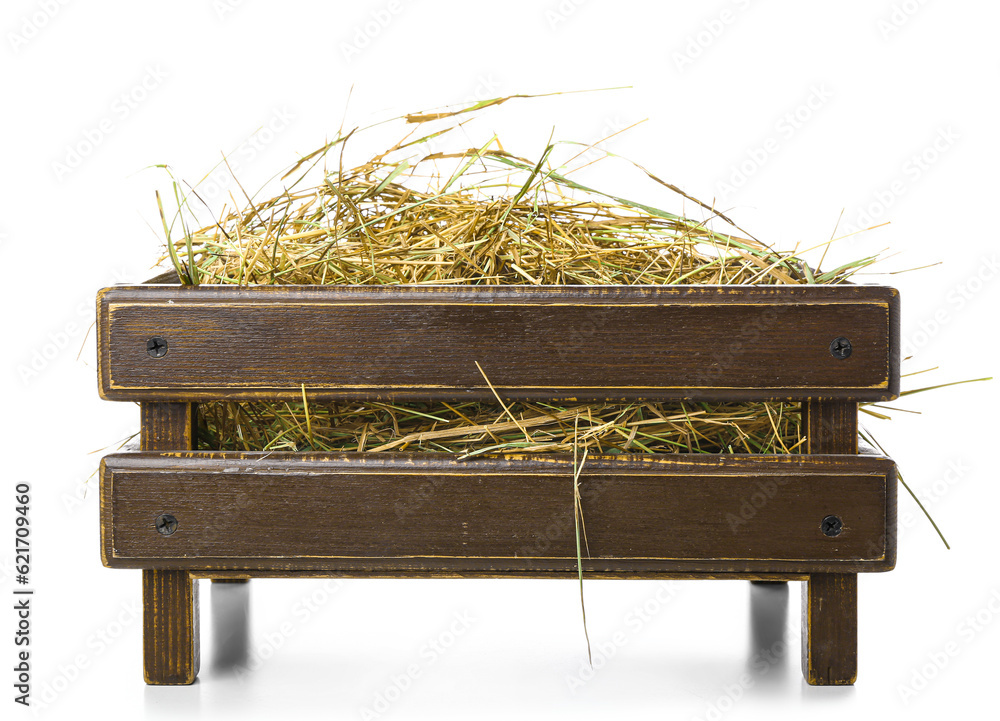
x: 830, y: 600
x: 170, y: 633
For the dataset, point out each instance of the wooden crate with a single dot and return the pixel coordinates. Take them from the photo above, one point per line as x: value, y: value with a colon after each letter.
x: 820, y: 517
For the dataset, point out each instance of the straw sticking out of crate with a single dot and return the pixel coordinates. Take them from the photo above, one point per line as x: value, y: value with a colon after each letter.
x: 417, y: 213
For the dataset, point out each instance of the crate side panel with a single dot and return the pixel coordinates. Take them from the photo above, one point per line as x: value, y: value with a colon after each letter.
x: 556, y: 343
x: 241, y: 509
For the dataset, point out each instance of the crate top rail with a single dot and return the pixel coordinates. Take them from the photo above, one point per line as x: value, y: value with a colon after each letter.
x: 607, y: 343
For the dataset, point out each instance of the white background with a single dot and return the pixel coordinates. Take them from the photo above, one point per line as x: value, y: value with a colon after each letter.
x: 786, y: 113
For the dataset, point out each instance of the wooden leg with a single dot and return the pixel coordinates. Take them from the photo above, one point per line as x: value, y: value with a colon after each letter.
x: 830, y: 629
x: 830, y: 600
x: 170, y: 627
x: 170, y: 639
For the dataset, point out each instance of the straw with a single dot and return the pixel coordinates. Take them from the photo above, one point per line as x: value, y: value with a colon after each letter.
x: 475, y: 216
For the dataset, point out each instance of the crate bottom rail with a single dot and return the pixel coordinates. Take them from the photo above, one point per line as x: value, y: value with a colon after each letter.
x: 181, y: 515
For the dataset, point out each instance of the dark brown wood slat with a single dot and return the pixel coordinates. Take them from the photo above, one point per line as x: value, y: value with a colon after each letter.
x: 170, y: 635
x: 241, y: 575
x: 167, y: 277
x: 419, y: 512
x: 830, y: 426
x: 830, y: 629
x: 830, y: 600
x: 587, y: 343
x: 166, y: 426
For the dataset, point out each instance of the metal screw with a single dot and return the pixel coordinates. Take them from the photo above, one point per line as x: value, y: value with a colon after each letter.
x: 832, y: 526
x: 840, y: 347
x: 166, y: 524
x: 156, y: 346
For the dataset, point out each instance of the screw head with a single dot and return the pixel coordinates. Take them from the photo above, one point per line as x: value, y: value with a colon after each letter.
x: 832, y: 526
x: 166, y: 524
x: 156, y: 346
x: 840, y: 348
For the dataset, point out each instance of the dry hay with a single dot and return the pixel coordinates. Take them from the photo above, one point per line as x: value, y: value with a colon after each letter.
x: 480, y: 216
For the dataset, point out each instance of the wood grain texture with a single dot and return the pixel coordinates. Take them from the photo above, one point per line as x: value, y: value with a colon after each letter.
x: 166, y: 426
x: 830, y: 629
x: 421, y: 512
x: 830, y: 600
x: 830, y: 426
x: 239, y: 574
x: 170, y: 633
x: 167, y: 277
x: 586, y: 343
